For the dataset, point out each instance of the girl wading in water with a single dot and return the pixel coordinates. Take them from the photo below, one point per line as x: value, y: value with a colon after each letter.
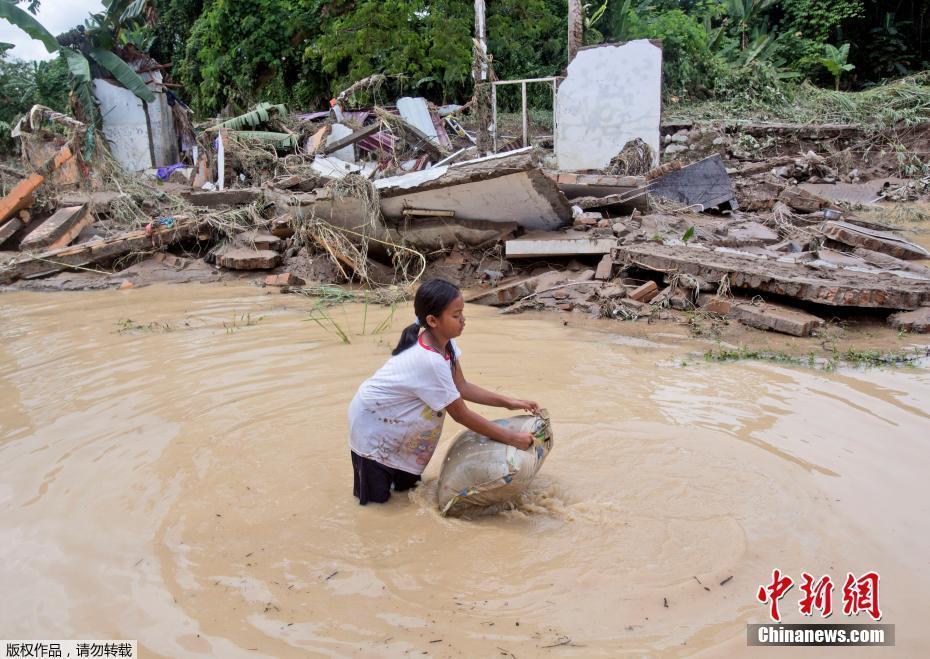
x: 396, y: 416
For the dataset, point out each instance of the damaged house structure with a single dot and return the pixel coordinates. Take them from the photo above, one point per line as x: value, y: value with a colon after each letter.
x: 610, y: 220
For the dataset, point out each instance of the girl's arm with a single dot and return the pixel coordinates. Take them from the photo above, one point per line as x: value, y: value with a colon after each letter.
x: 473, y: 421
x: 475, y: 394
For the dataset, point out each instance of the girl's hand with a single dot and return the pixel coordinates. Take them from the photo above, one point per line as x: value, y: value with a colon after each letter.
x: 528, y: 405
x: 522, y: 440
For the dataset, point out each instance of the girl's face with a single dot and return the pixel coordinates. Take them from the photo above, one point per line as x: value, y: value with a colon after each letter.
x: 451, y: 322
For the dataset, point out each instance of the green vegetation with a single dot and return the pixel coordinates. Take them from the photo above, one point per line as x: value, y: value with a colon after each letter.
x: 830, y: 362
x: 762, y: 59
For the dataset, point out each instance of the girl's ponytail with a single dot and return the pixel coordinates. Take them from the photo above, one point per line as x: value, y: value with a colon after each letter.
x: 407, y: 338
x: 431, y: 299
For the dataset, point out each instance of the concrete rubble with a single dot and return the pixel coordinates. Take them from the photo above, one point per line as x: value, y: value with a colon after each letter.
x: 623, y: 217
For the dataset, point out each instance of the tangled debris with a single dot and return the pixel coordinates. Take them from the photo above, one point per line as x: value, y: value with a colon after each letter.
x: 776, y: 226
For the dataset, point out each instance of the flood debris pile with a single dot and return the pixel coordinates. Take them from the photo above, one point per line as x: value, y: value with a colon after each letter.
x: 779, y: 227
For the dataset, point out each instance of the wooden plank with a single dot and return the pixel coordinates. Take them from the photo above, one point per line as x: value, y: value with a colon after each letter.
x: 8, y: 229
x: 20, y: 196
x: 422, y: 212
x: 349, y: 140
x: 54, y: 260
x: 69, y: 236
x: 47, y: 233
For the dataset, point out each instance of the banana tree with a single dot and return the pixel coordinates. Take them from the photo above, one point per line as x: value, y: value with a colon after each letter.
x: 835, y: 61
x: 102, y: 34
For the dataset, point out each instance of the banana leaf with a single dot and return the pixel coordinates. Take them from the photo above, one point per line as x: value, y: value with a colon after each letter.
x: 279, y: 140
x: 133, y: 11
x: 123, y: 73
x: 25, y: 22
x: 81, y: 82
x: 253, y: 119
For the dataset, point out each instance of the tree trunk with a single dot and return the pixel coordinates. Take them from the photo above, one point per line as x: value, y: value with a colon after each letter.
x: 575, y: 28
x: 480, y: 60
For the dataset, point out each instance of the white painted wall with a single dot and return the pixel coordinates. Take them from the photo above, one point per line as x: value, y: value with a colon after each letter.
x: 125, y: 128
x: 612, y: 94
x: 124, y: 125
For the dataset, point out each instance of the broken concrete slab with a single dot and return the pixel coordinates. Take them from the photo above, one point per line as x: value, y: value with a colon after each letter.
x: 888, y: 262
x: 836, y: 287
x: 58, y: 225
x: 501, y: 188
x: 747, y: 234
x: 802, y: 201
x: 548, y: 243
x: 604, y: 268
x: 259, y: 241
x: 776, y: 318
x: 702, y: 185
x: 100, y: 251
x: 917, y: 321
x: 877, y: 241
x: 242, y: 258
x: 611, y: 95
x: 223, y: 198
x: 624, y: 192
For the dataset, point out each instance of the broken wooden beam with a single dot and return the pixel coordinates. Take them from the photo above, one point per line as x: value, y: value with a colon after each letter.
x: 424, y: 212
x: 548, y: 243
x: 9, y: 228
x: 55, y: 227
x: 98, y: 251
x: 352, y: 138
x: 221, y: 198
x: 834, y: 287
x: 21, y: 195
x: 877, y: 241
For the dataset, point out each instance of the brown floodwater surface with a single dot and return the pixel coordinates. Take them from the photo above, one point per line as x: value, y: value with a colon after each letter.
x: 176, y: 470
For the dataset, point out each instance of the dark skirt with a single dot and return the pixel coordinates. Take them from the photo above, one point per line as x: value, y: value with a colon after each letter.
x: 373, y: 480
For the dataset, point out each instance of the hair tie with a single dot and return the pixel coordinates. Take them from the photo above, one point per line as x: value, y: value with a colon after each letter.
x: 416, y: 321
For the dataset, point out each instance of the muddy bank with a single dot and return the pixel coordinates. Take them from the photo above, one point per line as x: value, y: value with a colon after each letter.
x: 177, y: 473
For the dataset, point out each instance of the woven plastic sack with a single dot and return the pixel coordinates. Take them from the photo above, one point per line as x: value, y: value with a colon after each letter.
x: 480, y: 472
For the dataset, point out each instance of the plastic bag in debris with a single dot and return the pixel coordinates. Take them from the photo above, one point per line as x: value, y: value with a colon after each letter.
x: 480, y: 472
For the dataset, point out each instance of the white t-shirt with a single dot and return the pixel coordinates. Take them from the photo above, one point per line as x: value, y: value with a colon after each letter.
x: 396, y: 416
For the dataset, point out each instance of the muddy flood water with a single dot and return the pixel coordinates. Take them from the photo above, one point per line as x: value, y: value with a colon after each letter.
x: 175, y: 470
